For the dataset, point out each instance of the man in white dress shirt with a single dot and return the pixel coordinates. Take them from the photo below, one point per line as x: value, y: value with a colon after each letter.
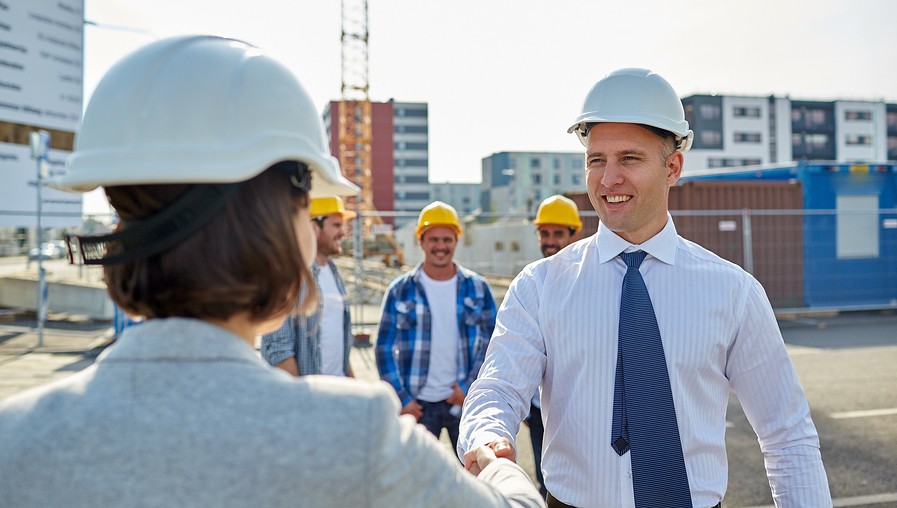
x: 558, y: 325
x: 557, y: 222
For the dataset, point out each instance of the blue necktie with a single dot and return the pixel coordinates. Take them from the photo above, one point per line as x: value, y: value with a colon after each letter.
x: 644, y: 415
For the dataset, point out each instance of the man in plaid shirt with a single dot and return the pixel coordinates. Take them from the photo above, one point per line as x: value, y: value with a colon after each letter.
x: 436, y: 323
x: 318, y: 343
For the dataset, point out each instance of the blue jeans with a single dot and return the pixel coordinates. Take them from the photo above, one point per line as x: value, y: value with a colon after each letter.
x: 436, y: 417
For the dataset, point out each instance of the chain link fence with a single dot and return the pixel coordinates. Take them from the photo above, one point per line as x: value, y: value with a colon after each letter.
x: 808, y: 260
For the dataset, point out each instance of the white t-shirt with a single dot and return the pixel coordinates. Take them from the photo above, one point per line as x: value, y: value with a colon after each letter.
x: 333, y: 346
x: 442, y: 295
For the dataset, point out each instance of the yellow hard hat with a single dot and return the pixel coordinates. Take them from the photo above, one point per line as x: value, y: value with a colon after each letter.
x: 329, y: 205
x: 559, y: 210
x: 438, y: 213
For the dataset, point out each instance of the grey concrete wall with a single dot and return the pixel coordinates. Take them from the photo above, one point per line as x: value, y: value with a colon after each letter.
x: 88, y: 300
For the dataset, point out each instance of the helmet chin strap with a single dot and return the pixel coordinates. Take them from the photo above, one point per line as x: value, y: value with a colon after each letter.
x: 154, y: 235
x: 175, y: 223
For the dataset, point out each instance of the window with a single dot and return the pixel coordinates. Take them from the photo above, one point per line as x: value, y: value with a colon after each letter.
x: 556, y: 163
x: 747, y: 137
x: 411, y: 162
x: 892, y: 120
x: 535, y: 163
x: 577, y: 163
x: 711, y: 138
x: 411, y: 112
x: 857, y: 226
x: 556, y: 179
x: 811, y: 141
x: 411, y: 129
x: 858, y: 139
x: 746, y: 111
x: 577, y: 179
x: 404, y: 145
x: 811, y: 118
x: 537, y: 178
x: 709, y: 111
x: 854, y: 115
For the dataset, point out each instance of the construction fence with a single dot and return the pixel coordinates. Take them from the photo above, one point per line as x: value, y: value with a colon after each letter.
x: 807, y: 260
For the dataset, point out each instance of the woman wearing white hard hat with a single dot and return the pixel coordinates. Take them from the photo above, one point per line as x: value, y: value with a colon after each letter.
x: 209, y: 151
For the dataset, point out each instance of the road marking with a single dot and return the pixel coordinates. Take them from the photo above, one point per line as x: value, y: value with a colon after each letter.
x: 803, y: 350
x: 864, y: 414
x: 855, y: 501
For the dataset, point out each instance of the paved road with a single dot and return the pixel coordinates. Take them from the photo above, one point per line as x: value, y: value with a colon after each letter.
x: 846, y: 364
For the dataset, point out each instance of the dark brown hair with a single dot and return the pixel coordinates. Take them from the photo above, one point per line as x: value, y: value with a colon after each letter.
x: 245, y: 259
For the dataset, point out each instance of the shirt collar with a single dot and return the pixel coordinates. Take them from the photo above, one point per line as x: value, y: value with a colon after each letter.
x: 661, y: 246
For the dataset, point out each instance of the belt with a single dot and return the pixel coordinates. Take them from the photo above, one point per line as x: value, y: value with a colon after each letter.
x: 554, y: 503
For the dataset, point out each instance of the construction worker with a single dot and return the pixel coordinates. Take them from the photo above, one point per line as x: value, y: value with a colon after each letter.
x: 319, y: 343
x: 638, y: 336
x: 557, y: 222
x: 435, y: 327
x: 209, y: 150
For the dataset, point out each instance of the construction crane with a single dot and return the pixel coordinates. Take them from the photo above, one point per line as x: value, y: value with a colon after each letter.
x: 354, y: 120
x: 354, y: 126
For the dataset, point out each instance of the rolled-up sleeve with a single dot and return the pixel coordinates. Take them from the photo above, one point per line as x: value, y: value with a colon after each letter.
x: 280, y: 344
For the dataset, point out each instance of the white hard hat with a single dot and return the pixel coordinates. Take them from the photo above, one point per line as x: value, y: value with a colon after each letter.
x: 199, y: 109
x: 634, y: 96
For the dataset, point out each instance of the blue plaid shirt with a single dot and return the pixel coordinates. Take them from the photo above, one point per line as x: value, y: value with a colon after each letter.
x: 300, y: 334
x: 403, y: 342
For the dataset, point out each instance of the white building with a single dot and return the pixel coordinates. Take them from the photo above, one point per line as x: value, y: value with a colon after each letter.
x: 742, y: 131
x: 516, y: 182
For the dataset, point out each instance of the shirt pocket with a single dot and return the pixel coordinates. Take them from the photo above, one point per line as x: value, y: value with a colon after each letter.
x: 406, y: 318
x: 472, y: 314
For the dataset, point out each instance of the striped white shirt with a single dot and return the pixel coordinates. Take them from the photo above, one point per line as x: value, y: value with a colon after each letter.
x: 558, y: 326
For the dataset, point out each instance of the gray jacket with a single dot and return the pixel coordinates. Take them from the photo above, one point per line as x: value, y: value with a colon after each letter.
x: 182, y: 413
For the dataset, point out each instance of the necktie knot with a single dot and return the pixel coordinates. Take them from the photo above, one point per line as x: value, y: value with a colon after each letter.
x: 633, y: 259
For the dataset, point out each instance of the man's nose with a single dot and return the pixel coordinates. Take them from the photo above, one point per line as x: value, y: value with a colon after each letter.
x: 613, y: 175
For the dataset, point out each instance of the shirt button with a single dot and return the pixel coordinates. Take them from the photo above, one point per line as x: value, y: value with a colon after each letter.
x: 629, y: 474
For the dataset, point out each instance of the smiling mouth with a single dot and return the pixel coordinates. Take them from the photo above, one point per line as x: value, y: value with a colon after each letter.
x: 617, y: 199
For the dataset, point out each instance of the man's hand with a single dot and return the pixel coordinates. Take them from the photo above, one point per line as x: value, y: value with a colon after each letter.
x: 457, y: 398
x: 477, y: 459
x: 414, y: 409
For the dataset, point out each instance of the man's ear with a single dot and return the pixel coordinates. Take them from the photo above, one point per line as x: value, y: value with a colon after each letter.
x: 674, y: 167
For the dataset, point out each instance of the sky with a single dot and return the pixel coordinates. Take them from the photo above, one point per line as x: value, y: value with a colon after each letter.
x: 511, y: 75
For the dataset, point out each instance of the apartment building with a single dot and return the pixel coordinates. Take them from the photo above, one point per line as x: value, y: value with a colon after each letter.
x: 516, y: 182
x: 741, y: 131
x: 399, y: 156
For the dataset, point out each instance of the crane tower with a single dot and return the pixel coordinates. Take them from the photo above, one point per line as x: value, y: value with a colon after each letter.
x: 354, y: 120
x: 354, y: 126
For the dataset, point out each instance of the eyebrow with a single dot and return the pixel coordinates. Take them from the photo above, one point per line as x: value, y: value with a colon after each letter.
x: 628, y: 151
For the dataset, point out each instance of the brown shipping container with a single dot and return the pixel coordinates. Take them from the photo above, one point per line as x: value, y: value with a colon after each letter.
x: 776, y: 238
